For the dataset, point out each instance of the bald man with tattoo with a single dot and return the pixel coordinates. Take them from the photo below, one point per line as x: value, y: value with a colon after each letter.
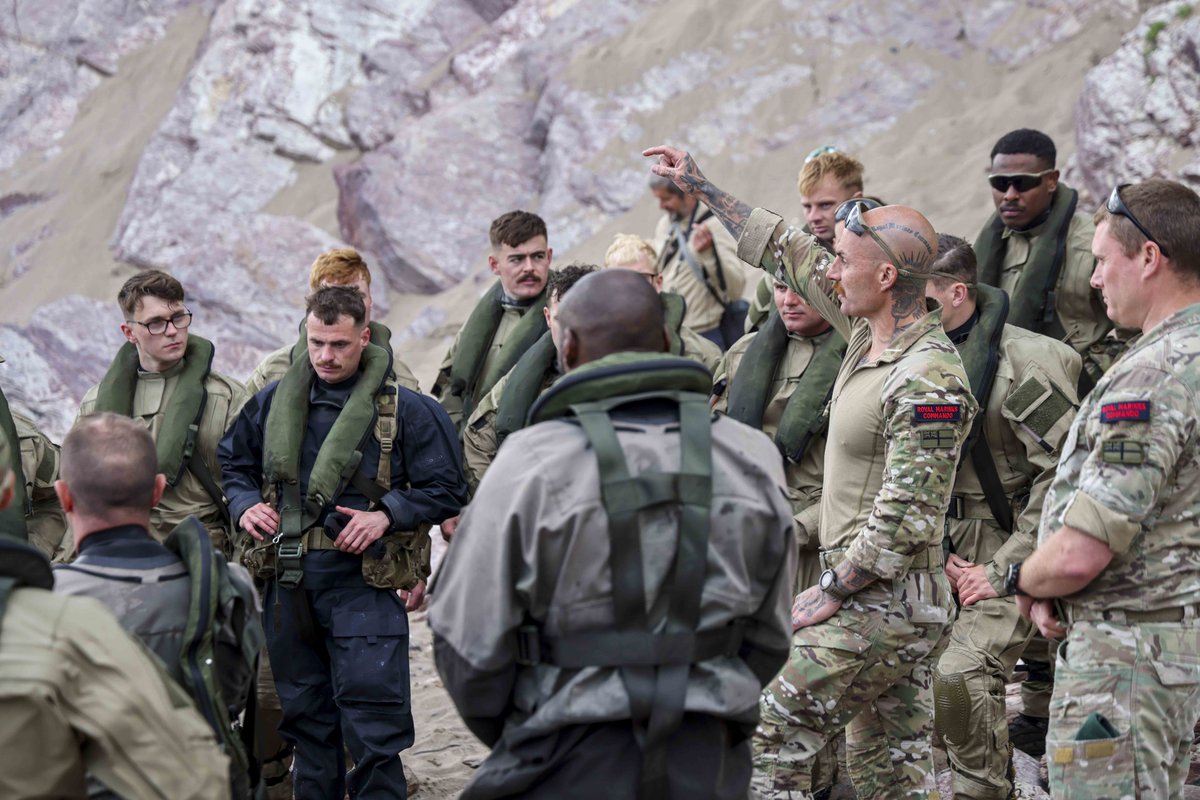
x: 867, y: 635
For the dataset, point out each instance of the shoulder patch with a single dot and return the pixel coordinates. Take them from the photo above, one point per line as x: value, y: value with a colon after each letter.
x: 1123, y: 451
x: 1126, y: 411
x: 937, y: 412
x: 938, y: 438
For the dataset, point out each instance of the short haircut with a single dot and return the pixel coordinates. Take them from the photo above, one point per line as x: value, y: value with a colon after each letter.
x: 1169, y: 210
x: 955, y: 257
x: 109, y: 463
x: 516, y: 228
x: 340, y: 266
x: 1027, y: 141
x: 659, y: 182
x: 561, y: 280
x: 848, y: 171
x: 151, y: 283
x: 627, y: 248
x: 331, y: 303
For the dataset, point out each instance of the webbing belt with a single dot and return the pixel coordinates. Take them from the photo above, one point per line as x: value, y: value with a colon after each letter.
x: 627, y: 648
x: 657, y: 690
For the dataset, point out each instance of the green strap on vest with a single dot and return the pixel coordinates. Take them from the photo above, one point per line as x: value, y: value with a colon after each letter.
x: 674, y: 309
x: 980, y: 355
x: 12, y: 519
x: 804, y: 416
x: 180, y: 419
x: 336, y: 462
x: 1033, y: 303
x: 466, y: 373
x: 653, y: 666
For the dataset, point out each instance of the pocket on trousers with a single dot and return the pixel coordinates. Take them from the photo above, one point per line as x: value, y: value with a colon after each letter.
x: 370, y: 656
x: 1093, y: 768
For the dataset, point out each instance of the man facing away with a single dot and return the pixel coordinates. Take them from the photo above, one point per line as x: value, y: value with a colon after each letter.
x: 506, y: 321
x: 567, y: 618
x: 861, y: 656
x: 199, y: 615
x: 79, y: 696
x: 1118, y: 549
x: 1025, y: 386
x: 336, y: 473
x: 163, y: 377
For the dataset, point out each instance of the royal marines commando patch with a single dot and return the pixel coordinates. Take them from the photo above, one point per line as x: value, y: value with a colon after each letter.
x: 937, y: 412
x: 1125, y: 411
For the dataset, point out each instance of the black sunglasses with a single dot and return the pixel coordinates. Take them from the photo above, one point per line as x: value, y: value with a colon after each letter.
x: 1116, y: 205
x: 1023, y: 181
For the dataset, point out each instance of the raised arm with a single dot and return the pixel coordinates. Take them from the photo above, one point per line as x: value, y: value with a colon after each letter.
x: 680, y: 167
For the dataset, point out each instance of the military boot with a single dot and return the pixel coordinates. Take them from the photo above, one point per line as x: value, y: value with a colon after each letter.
x: 1028, y: 734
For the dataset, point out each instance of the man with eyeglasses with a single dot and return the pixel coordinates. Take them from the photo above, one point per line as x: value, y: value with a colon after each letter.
x: 1025, y: 386
x: 1117, y: 567
x: 163, y: 377
x: 1037, y: 247
x: 901, y: 407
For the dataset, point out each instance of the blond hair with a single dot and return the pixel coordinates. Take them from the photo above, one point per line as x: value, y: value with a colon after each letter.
x: 338, y: 267
x: 847, y: 169
x: 627, y: 248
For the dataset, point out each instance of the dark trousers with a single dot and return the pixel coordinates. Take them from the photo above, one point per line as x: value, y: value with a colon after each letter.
x: 708, y: 758
x: 715, y: 336
x: 344, y: 683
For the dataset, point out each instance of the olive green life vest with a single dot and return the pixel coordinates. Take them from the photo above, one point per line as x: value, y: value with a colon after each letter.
x: 1033, y: 302
x: 176, y: 440
x: 805, y: 416
x: 538, y: 367
x: 12, y: 519
x: 466, y: 378
x: 653, y: 666
x: 980, y: 355
x: 370, y: 406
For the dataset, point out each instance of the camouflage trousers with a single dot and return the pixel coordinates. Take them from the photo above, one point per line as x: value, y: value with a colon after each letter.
x: 866, y: 670
x: 1126, y: 698
x: 969, y: 701
x: 1037, y: 689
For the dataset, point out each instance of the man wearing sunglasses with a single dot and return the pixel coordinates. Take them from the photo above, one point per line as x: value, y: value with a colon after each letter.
x: 163, y: 377
x: 1037, y: 247
x: 1025, y: 386
x: 1117, y: 567
x: 865, y: 635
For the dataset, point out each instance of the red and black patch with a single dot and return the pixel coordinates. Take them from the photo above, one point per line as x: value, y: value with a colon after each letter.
x: 1125, y: 411
x: 937, y: 412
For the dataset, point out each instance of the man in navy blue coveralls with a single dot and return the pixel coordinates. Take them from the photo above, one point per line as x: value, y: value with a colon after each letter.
x: 339, y: 647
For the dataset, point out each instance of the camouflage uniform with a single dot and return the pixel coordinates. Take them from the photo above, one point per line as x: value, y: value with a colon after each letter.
x: 897, y: 424
x: 1128, y: 674
x: 803, y: 479
x: 703, y: 310
x: 1028, y: 411
x: 45, y: 522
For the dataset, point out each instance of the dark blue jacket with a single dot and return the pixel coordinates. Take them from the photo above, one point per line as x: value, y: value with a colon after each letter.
x: 427, y: 476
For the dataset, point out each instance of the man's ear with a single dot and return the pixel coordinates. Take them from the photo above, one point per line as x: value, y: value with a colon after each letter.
x: 494, y: 265
x: 568, y: 352
x: 887, y: 276
x: 160, y: 486
x: 1053, y: 178
x: 63, y: 492
x: 960, y: 294
x: 127, y: 330
x: 546, y: 314
x: 366, y: 335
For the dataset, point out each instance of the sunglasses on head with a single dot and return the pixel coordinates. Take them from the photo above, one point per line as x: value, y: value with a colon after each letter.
x: 1116, y: 205
x: 1023, y: 181
x: 856, y: 225
x: 845, y: 208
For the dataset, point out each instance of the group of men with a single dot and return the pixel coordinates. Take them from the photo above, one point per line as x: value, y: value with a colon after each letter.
x: 921, y: 455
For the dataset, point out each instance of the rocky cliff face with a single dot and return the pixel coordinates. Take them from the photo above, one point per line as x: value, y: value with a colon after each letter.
x: 230, y: 141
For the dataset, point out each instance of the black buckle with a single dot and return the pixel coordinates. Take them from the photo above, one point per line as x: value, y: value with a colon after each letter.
x: 287, y: 556
x: 529, y: 646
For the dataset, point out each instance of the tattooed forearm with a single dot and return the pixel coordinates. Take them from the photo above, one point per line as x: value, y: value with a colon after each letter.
x: 732, y: 212
x: 852, y: 578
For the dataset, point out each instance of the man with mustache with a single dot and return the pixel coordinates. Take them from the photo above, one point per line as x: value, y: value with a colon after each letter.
x: 506, y: 321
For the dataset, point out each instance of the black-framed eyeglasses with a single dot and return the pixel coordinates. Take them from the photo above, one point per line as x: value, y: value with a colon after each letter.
x: 158, y: 326
x: 1116, y: 205
x: 856, y: 225
x: 1023, y: 181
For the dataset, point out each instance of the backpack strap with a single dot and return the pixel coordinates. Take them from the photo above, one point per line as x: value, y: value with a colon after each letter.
x: 386, y: 404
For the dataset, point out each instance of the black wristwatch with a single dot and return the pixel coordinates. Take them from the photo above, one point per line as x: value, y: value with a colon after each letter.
x: 830, y: 586
x: 1012, y: 579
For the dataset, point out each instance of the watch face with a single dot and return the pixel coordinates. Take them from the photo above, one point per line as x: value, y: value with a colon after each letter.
x: 827, y: 579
